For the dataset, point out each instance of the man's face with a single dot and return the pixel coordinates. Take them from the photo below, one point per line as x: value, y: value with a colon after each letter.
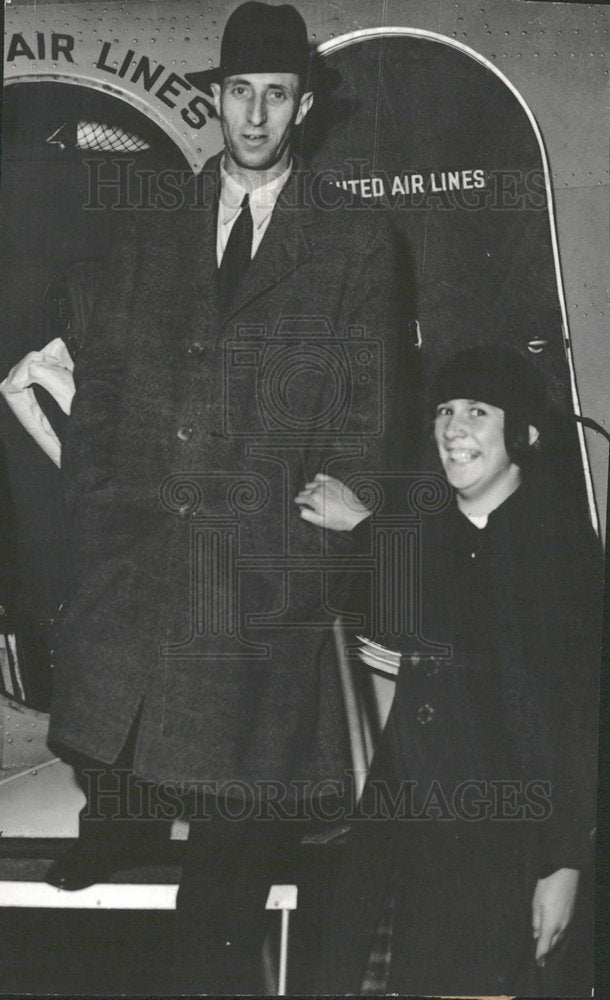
x: 257, y: 112
x: 470, y: 439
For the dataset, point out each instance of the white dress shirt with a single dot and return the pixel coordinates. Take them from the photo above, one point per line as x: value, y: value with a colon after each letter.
x: 233, y: 187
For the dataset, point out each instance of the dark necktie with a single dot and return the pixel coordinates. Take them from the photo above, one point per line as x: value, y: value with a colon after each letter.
x: 237, y: 255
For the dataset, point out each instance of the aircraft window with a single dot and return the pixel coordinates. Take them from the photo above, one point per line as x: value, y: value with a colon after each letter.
x: 50, y: 118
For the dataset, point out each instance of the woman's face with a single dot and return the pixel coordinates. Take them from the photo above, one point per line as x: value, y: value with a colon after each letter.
x: 470, y: 439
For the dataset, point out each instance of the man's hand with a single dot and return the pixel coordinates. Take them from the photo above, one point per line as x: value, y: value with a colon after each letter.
x: 552, y: 909
x: 328, y: 503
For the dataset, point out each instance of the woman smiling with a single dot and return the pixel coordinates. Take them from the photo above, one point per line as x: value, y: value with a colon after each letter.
x: 495, y: 742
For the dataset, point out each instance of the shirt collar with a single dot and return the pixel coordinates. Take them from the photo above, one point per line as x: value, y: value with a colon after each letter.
x: 499, y: 515
x: 262, y: 198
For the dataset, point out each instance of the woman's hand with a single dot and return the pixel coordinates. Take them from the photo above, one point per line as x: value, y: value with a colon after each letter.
x: 328, y: 503
x: 553, y: 908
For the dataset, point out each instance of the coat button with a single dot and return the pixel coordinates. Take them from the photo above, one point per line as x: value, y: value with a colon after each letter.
x: 195, y: 349
x: 425, y: 714
x: 184, y: 433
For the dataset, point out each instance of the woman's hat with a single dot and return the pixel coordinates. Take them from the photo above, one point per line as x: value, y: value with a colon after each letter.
x: 499, y: 376
x: 261, y: 38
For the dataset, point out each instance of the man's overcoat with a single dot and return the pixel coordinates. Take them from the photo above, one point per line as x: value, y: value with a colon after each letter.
x: 200, y: 603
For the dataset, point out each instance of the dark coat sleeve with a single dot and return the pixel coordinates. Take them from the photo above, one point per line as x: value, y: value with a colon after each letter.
x: 8, y: 541
x: 375, y: 300
x: 572, y: 633
x: 98, y: 521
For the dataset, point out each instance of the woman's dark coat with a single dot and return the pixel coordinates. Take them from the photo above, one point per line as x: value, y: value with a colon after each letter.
x: 493, y: 747
x: 191, y: 432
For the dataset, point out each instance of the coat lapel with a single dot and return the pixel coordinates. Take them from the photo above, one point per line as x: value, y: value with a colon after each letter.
x: 284, y: 247
x: 198, y: 239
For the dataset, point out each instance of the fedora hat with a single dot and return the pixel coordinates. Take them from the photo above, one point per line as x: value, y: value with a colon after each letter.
x: 262, y: 38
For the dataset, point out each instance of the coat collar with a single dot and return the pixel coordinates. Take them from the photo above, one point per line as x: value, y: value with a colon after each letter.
x: 285, y: 245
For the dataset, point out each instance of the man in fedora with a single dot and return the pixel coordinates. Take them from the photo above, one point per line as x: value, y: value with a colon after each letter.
x: 243, y: 343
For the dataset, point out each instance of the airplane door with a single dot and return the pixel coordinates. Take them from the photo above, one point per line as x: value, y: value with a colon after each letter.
x: 427, y: 130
